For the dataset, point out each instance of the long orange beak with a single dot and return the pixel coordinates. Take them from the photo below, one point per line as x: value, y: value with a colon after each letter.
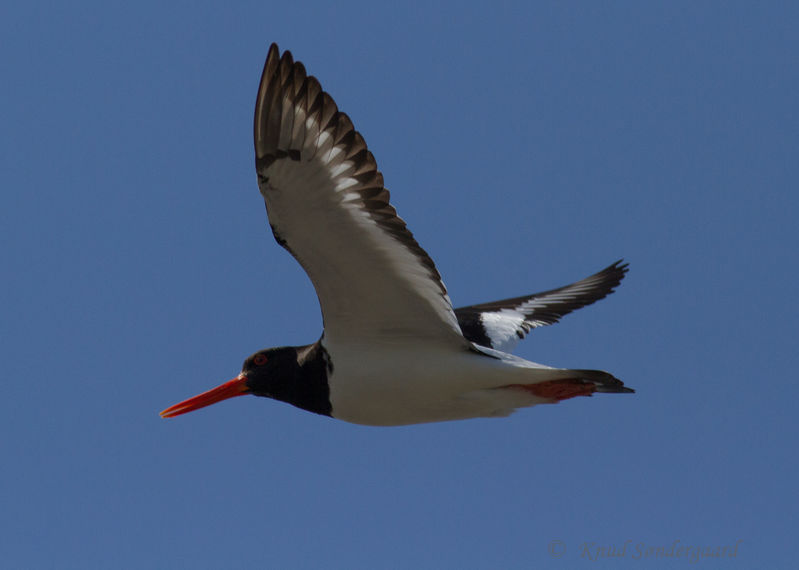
x: 235, y: 387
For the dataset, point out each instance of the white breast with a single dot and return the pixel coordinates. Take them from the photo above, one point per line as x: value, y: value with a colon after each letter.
x: 391, y: 384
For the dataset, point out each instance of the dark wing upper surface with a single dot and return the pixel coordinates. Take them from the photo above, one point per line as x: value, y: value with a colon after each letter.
x: 501, y: 324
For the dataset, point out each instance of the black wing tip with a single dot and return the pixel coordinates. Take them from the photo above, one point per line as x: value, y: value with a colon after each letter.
x: 273, y: 54
x: 279, y: 76
x: 618, y: 268
x: 621, y: 265
x: 272, y: 62
x: 607, y: 280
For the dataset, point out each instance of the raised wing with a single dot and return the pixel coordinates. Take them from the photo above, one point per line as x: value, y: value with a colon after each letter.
x: 327, y: 206
x: 501, y: 324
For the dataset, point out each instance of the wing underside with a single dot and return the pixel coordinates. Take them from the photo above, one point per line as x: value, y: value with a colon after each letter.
x: 328, y: 206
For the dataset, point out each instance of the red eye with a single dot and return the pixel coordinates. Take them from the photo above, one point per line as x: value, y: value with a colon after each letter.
x: 259, y: 360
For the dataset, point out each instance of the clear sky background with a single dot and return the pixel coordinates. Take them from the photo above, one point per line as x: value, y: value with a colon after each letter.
x: 527, y: 145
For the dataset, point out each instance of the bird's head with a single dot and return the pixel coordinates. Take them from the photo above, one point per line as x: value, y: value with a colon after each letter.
x: 265, y: 373
x: 268, y: 372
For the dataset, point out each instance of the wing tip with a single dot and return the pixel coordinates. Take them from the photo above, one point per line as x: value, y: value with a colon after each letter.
x: 620, y: 268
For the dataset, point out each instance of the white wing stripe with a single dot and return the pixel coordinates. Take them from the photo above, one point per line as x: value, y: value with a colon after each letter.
x: 501, y: 327
x: 504, y: 323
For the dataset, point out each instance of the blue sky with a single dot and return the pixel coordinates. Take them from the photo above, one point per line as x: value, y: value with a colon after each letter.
x: 527, y: 145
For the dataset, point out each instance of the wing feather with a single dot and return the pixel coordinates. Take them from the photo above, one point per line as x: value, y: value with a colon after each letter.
x: 327, y: 204
x: 501, y: 324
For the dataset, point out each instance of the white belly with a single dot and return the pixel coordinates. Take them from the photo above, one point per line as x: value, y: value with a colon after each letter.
x: 395, y: 385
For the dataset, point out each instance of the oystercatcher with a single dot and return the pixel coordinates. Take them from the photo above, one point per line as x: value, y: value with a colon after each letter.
x: 393, y: 350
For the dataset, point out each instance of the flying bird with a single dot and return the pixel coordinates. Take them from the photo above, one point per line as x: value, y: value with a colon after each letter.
x: 393, y: 350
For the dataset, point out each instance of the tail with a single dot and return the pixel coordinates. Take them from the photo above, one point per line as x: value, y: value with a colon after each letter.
x: 571, y: 383
x: 603, y: 381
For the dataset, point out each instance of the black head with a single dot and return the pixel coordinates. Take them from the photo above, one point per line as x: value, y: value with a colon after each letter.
x: 271, y: 371
x: 293, y: 374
